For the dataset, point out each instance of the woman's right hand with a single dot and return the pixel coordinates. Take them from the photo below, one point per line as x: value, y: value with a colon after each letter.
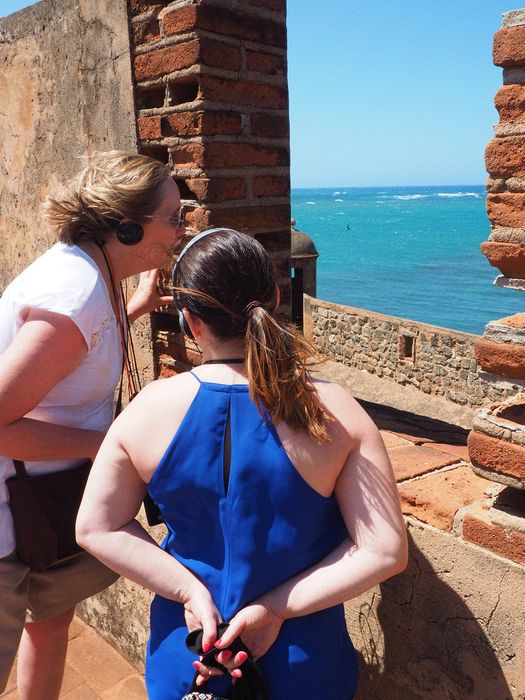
x: 200, y: 612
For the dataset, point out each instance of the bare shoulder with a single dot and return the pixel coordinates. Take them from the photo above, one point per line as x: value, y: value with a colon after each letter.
x: 347, y: 411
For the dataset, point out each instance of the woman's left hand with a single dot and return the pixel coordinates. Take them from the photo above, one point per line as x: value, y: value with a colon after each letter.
x: 147, y: 296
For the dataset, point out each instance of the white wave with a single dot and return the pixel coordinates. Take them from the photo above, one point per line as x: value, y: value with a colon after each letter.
x: 458, y: 194
x: 410, y: 196
x: 339, y: 200
x: 310, y: 202
x: 334, y: 194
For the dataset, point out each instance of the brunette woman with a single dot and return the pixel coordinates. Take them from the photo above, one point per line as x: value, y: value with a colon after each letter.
x: 276, y: 489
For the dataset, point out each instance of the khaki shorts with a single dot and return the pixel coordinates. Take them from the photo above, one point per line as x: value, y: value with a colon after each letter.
x: 28, y: 596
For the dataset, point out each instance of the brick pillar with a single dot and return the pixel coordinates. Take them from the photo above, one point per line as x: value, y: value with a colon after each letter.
x: 497, y: 442
x: 212, y: 101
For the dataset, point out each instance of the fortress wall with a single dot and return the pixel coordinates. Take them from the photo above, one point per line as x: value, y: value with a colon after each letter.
x: 438, y: 362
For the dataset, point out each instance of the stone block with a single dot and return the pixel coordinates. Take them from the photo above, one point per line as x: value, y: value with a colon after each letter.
x: 479, y: 528
x: 219, y: 189
x: 411, y: 460
x: 457, y: 488
x: 509, y: 258
x: 506, y: 209
x: 271, y: 186
x: 509, y: 47
x: 507, y: 359
x: 266, y: 124
x: 497, y: 458
x: 510, y: 103
x: 505, y: 157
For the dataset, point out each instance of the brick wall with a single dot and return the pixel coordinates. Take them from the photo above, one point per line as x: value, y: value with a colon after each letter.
x: 212, y: 101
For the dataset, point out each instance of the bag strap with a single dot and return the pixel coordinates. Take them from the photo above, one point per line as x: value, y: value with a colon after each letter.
x: 20, y: 467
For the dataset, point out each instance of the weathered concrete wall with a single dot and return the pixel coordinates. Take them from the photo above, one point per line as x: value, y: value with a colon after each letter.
x: 65, y: 91
x: 436, y: 361
x: 445, y: 629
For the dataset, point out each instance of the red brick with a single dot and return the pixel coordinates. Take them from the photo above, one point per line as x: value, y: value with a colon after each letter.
x: 276, y: 5
x: 509, y: 258
x: 506, y: 543
x: 460, y: 451
x: 140, y: 6
x: 506, y: 209
x: 509, y: 47
x: 501, y: 456
x: 242, y: 92
x: 270, y: 125
x: 163, y: 61
x: 242, y: 218
x: 271, y: 186
x: 225, y: 21
x: 219, y: 54
x: 276, y: 243
x: 179, y: 21
x: 510, y: 103
x: 263, y: 62
x: 190, y: 156
x: 218, y: 189
x: 410, y: 461
x: 501, y: 358
x: 232, y: 155
x: 145, y: 30
x: 436, y: 499
x: 149, y: 128
x: 505, y: 157
x: 198, y: 123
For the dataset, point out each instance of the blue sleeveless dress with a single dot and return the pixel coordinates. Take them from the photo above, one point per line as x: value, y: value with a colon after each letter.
x: 243, y: 534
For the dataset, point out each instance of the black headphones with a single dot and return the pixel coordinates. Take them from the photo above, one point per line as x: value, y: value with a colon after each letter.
x: 129, y: 232
x: 182, y: 321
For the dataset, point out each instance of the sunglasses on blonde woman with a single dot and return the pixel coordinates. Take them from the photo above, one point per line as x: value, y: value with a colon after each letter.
x: 176, y: 219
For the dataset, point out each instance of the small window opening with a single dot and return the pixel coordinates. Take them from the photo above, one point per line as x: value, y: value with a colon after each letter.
x: 407, y: 348
x: 180, y: 92
x: 151, y: 97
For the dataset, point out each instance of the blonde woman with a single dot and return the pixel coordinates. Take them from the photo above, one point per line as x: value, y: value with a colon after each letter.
x: 61, y: 350
x: 276, y: 489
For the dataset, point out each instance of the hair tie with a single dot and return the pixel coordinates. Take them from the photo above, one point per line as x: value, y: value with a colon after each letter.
x: 249, y: 307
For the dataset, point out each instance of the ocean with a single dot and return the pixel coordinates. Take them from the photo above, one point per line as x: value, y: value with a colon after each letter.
x: 406, y: 251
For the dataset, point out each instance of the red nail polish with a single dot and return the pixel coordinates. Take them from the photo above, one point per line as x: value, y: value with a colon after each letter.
x: 195, y: 664
x: 242, y: 656
x: 227, y: 654
x: 206, y: 647
x: 218, y: 643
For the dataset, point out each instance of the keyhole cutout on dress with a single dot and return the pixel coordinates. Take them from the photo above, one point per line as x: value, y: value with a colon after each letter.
x: 226, y: 460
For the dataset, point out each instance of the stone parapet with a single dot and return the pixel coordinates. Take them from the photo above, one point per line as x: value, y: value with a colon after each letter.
x: 435, y: 363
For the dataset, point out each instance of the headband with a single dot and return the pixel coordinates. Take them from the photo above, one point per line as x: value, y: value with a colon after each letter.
x: 188, y: 245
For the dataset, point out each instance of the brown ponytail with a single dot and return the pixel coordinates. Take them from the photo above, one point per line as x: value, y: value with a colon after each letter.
x: 276, y: 363
x: 218, y: 280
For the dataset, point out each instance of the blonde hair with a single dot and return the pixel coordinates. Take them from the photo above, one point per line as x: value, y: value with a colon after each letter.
x: 228, y: 281
x: 115, y: 185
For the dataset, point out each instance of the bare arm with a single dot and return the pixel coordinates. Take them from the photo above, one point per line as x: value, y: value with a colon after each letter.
x: 375, y: 550
x: 47, y: 349
x: 147, y: 296
x: 107, y: 528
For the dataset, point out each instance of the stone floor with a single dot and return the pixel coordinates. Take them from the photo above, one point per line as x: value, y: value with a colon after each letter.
x: 94, y: 670
x: 430, y: 460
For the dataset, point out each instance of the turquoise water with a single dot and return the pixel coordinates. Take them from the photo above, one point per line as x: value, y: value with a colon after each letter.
x: 406, y: 251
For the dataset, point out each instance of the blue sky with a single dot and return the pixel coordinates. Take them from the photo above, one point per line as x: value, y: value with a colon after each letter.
x: 389, y: 92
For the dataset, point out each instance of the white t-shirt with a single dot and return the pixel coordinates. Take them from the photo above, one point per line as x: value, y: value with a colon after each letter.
x: 64, y: 280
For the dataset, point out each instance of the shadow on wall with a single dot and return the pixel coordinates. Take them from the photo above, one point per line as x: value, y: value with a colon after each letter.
x: 418, y: 640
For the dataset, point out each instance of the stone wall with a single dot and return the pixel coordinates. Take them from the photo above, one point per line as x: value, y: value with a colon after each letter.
x: 436, y: 361
x: 65, y: 90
